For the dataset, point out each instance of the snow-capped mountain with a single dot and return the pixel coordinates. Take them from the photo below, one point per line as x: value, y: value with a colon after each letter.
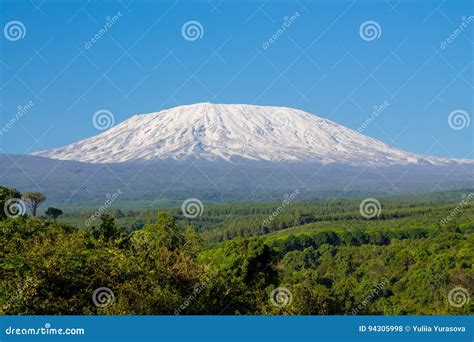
x: 226, y: 131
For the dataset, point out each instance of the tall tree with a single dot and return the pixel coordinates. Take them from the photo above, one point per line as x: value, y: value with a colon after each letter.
x: 53, y: 213
x: 33, y: 200
x: 107, y: 226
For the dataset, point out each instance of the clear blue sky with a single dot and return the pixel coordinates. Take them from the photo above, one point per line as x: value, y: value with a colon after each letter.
x: 319, y: 64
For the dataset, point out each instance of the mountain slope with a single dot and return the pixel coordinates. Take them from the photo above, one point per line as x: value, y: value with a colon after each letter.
x: 224, y: 132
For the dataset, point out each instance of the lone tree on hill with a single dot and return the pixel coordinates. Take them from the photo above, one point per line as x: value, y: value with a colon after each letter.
x: 33, y: 200
x: 53, y: 213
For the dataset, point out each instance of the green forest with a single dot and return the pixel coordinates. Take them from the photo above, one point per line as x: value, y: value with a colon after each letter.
x: 313, y: 257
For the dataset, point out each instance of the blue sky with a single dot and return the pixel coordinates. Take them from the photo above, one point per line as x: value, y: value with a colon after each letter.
x: 320, y: 63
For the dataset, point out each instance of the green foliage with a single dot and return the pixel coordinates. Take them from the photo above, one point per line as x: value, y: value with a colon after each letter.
x: 402, y: 264
x: 107, y: 227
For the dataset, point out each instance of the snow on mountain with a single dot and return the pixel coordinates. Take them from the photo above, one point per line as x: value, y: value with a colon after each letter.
x: 224, y: 131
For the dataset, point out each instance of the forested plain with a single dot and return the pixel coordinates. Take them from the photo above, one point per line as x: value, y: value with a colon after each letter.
x: 322, y: 257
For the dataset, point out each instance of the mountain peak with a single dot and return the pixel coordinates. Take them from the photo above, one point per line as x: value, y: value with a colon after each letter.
x: 225, y: 131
